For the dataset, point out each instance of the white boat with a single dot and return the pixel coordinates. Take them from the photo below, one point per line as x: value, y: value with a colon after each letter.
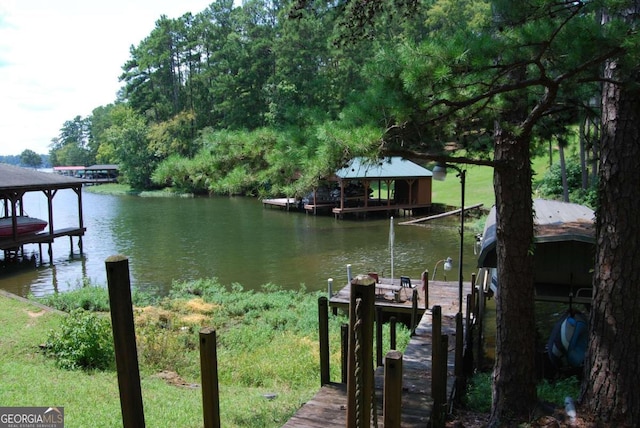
x: 24, y: 226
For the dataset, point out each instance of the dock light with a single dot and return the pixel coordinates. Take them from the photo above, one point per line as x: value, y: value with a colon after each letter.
x: 440, y: 173
x: 448, y: 264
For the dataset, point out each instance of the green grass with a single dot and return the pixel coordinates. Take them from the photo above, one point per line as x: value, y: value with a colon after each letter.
x: 267, y: 345
x: 479, y: 185
x: 110, y: 189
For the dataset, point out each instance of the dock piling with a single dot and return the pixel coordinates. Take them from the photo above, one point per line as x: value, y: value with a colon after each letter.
x: 360, y: 385
x: 392, y: 396
x: 209, y: 375
x: 323, y: 333
x: 124, y: 338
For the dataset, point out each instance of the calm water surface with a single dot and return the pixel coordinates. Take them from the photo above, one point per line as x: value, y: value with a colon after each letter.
x: 233, y: 239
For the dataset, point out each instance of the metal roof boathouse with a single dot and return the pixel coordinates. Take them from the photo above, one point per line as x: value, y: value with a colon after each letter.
x: 15, y: 182
x: 357, y: 188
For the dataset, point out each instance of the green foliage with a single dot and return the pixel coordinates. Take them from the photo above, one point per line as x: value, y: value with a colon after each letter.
x: 73, y: 145
x: 87, y: 297
x: 161, y: 347
x: 30, y: 158
x: 84, y: 341
x: 556, y: 391
x: 478, y: 395
x: 129, y: 136
x: 550, y: 186
x: 90, y: 297
x: 551, y: 182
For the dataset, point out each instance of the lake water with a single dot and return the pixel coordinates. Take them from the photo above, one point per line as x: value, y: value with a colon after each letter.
x: 233, y: 239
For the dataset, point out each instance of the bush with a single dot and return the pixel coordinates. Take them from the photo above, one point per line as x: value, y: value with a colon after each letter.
x: 84, y: 341
x: 86, y: 296
x: 91, y: 298
x: 478, y: 396
x: 551, y: 183
x: 550, y: 186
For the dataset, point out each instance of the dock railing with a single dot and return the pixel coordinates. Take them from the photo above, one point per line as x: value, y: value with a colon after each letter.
x: 357, y: 356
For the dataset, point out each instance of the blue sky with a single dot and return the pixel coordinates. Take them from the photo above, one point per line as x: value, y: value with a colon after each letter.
x: 62, y: 58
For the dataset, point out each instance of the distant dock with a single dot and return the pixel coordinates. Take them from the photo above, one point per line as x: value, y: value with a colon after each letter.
x: 285, y: 203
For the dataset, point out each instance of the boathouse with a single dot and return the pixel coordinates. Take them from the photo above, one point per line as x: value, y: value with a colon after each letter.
x: 94, y: 174
x: 15, y: 182
x: 383, y: 185
x: 564, y: 237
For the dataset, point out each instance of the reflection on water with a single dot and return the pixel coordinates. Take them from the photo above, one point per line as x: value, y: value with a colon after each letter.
x: 233, y: 239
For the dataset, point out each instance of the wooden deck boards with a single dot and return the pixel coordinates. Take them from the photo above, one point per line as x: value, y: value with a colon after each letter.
x: 42, y: 237
x: 441, y: 293
x: 280, y: 202
x: 328, y: 407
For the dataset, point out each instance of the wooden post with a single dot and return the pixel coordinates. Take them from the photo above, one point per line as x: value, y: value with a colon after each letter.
x: 360, y: 390
x: 323, y: 333
x: 124, y: 338
x: 467, y: 366
x: 439, y: 376
x: 425, y: 287
x: 392, y: 332
x: 378, y: 336
x: 209, y: 375
x: 436, y: 333
x: 474, y: 294
x: 344, y: 354
x: 477, y: 339
x: 468, y: 312
x: 414, y: 312
x: 458, y: 359
x: 392, y: 397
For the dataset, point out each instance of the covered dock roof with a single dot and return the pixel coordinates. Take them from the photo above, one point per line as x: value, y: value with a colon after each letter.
x: 408, y: 185
x: 554, y: 221
x: 14, y: 178
x: 14, y: 183
x: 386, y: 168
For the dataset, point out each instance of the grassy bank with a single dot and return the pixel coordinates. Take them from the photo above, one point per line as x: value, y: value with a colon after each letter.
x: 267, y: 356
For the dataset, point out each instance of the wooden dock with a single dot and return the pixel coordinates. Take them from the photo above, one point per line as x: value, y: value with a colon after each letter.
x: 286, y: 203
x: 328, y: 408
x: 12, y: 246
x: 442, y: 293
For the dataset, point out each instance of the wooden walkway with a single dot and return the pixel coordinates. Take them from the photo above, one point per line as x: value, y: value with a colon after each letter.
x: 328, y: 408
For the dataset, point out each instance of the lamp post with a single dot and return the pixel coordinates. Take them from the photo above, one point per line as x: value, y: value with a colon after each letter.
x: 440, y: 173
x: 448, y: 263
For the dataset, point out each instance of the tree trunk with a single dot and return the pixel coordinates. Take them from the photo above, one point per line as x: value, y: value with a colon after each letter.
x: 612, y: 370
x: 563, y: 171
x: 514, y: 386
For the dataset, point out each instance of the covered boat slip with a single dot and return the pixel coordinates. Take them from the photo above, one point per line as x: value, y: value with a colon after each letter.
x: 94, y: 174
x: 564, y: 236
x: 360, y: 185
x: 15, y: 182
